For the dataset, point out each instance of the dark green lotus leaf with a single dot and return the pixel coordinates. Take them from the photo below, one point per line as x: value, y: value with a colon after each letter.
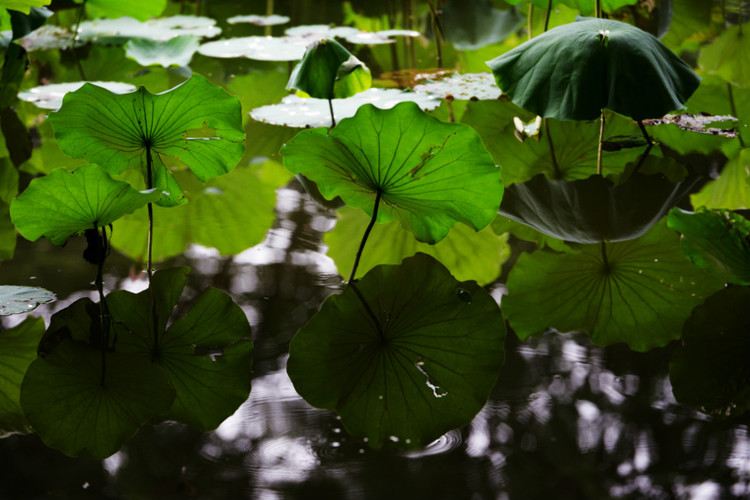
x: 15, y: 63
x: 727, y: 56
x: 565, y: 150
x: 691, y: 25
x: 65, y: 203
x: 503, y: 224
x: 731, y: 190
x: 641, y: 294
x: 474, y: 24
x: 138, y: 9
x: 207, y: 354
x: 710, y: 370
x: 466, y: 253
x: 574, y: 71
x: 177, y: 51
x: 220, y: 214
x: 420, y: 362
x: 593, y: 210
x: 430, y: 174
x: 329, y: 71
x: 17, y: 351
x: 197, y: 122
x: 75, y: 410
x: 22, y: 299
x: 7, y: 233
x: 718, y: 240
x: 588, y: 7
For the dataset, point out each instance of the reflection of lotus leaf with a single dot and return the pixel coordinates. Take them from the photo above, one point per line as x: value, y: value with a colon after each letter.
x: 592, y: 210
x: 303, y: 112
x: 574, y: 71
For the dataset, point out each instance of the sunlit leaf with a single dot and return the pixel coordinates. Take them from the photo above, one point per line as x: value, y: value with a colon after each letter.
x: 51, y: 96
x: 640, y: 294
x: 17, y: 350
x: 718, y: 240
x: 420, y: 362
x: 466, y: 253
x: 139, y: 9
x: 207, y: 354
x: 65, y: 203
x: 710, y: 370
x: 22, y: 299
x: 430, y: 174
x: 731, y: 189
x: 197, y: 122
x: 77, y: 411
x: 24, y: 5
x: 572, y: 72
x: 727, y: 56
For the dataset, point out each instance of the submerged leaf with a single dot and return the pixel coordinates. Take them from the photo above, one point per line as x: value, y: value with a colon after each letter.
x: 429, y: 174
x: 639, y: 291
x: 418, y: 360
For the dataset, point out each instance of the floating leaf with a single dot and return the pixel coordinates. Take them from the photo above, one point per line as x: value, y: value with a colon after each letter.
x: 329, y: 71
x: 271, y: 20
x: 572, y: 72
x: 66, y: 203
x: 51, y: 96
x: 219, y: 215
x: 206, y: 355
x: 726, y: 56
x: 710, y: 370
x: 177, y: 51
x: 17, y: 350
x: 121, y: 30
x: 77, y: 411
x: 418, y: 360
x: 593, y: 210
x: 430, y: 174
x: 466, y: 253
x: 640, y: 294
x: 197, y: 122
x: 22, y: 299
x: 303, y: 112
x: 470, y: 86
x: 718, y: 240
x: 262, y: 48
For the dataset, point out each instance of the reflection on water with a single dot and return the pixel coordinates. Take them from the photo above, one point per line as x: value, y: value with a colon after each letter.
x: 566, y: 420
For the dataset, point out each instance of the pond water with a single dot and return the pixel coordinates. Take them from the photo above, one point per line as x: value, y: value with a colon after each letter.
x: 566, y: 419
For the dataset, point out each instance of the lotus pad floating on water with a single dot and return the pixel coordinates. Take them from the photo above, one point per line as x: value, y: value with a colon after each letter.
x: 261, y: 48
x: 51, y: 96
x: 470, y: 86
x: 574, y: 71
x: 351, y: 35
x: 272, y: 20
x: 125, y: 28
x: 303, y: 112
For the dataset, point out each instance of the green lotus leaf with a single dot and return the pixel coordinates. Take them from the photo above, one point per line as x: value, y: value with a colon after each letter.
x: 593, y: 210
x: 471, y: 25
x: 503, y: 224
x: 418, y: 360
x: 24, y: 5
x: 731, y: 190
x: 7, y: 233
x: 219, y: 215
x: 466, y: 253
x: 429, y: 174
x: 692, y: 24
x: 119, y: 31
x: 197, y: 122
x: 329, y: 71
x: 22, y: 299
x: 710, y: 370
x: 574, y: 71
x: 138, y: 9
x: 65, y: 203
x: 17, y: 350
x: 207, y: 354
x: 727, y: 56
x: 177, y: 51
x: 718, y: 240
x: 565, y: 150
x: 77, y: 411
x: 588, y: 7
x: 640, y: 294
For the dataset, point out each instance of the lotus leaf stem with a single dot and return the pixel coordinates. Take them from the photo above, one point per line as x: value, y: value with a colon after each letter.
x: 149, y: 264
x: 645, y: 134
x: 366, y: 235
x: 529, y: 19
x: 330, y: 107
x: 73, y: 41
x: 734, y: 111
x: 102, y: 249
x: 601, y: 140
x: 547, y: 15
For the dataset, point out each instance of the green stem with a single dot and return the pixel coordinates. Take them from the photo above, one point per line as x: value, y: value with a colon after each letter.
x: 529, y: 19
x: 733, y: 108
x: 333, y: 118
x: 73, y: 42
x: 555, y: 166
x: 101, y: 254
x: 367, y: 307
x: 598, y: 10
x: 601, y: 140
x: 605, y: 261
x: 645, y: 133
x: 546, y: 17
x: 269, y: 11
x: 149, y: 265
x: 437, y: 31
x: 366, y: 235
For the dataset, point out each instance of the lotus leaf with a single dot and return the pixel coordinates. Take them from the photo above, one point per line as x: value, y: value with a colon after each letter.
x: 262, y: 48
x: 731, y: 189
x: 51, y: 96
x: 710, y: 370
x: 22, y: 299
x: 177, y: 51
x: 593, y: 210
x: 106, y: 31
x: 639, y: 291
x: 474, y: 24
x: 24, y: 5
x: 727, y: 56
x: 197, y: 122
x: 574, y: 71
x: 419, y: 359
x: 139, y: 9
x: 206, y: 355
x: 426, y: 173
x: 271, y: 20
x: 718, y: 240
x: 470, y: 86
x: 66, y: 203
